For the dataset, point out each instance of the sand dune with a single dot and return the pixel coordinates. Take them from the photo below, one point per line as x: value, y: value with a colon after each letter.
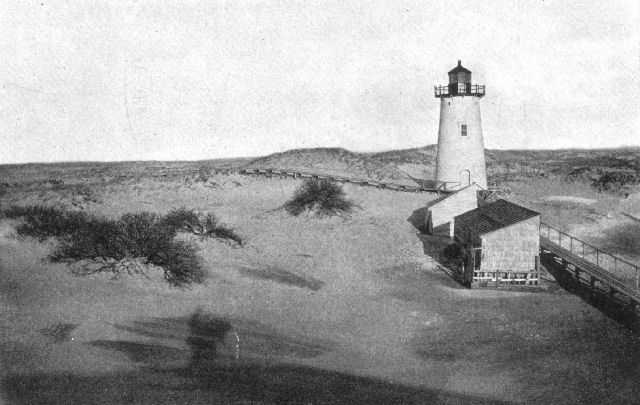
x: 337, y: 310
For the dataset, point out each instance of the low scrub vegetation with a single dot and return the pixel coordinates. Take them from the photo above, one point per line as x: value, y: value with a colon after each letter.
x: 321, y: 197
x: 43, y: 222
x: 205, y: 226
x: 616, y: 182
x: 127, y: 244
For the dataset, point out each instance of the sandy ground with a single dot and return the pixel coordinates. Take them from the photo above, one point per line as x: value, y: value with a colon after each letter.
x: 320, y: 310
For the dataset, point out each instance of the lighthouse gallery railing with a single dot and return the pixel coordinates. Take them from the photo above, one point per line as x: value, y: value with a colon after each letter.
x: 459, y: 89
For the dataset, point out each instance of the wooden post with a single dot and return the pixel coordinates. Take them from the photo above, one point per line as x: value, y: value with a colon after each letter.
x: 571, y: 244
x: 597, y: 257
x: 592, y: 284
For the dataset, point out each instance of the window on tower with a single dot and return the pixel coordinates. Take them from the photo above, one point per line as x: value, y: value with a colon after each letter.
x: 463, y: 130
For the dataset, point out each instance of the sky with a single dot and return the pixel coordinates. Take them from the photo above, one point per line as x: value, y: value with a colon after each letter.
x: 173, y: 80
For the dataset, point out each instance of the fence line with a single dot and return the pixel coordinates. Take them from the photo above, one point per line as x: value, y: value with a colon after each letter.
x: 605, y: 260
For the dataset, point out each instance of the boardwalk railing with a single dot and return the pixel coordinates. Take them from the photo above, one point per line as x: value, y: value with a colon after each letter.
x: 622, y: 269
x: 439, y: 187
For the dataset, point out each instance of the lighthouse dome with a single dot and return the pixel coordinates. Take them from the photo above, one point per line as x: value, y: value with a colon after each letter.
x: 459, y: 74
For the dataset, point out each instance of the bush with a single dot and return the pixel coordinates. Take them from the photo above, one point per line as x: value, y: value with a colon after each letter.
x: 180, y: 263
x: 43, y: 222
x: 205, y: 226
x: 617, y: 182
x: 94, y: 238
x: 182, y: 220
x: 127, y: 243
x: 320, y: 196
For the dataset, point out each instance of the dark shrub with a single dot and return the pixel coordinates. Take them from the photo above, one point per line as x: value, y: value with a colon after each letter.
x: 615, y: 181
x: 205, y: 226
x: 140, y: 234
x: 43, y: 222
x: 180, y: 263
x: 212, y: 228
x: 110, y: 245
x: 321, y: 196
x: 94, y: 238
x: 182, y: 220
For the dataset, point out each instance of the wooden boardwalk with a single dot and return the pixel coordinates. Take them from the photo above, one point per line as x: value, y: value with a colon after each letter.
x: 623, y: 282
x: 425, y: 187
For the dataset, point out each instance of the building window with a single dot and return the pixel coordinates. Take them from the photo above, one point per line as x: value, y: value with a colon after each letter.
x: 463, y: 130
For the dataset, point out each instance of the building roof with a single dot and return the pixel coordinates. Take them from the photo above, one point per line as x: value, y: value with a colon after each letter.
x: 445, y: 196
x: 493, y: 216
x: 459, y: 69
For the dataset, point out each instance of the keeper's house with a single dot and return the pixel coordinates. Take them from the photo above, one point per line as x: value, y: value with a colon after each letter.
x: 441, y: 211
x: 500, y: 244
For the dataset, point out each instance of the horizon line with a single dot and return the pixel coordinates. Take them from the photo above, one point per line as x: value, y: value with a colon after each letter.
x: 613, y: 148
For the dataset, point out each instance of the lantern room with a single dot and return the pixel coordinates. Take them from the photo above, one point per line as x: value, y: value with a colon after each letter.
x: 459, y: 74
x: 459, y: 84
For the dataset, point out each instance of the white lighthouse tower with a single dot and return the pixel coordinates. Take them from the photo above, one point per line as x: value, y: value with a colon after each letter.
x: 460, y: 159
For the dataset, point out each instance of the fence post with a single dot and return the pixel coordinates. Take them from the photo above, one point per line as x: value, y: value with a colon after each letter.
x: 571, y: 244
x: 597, y: 257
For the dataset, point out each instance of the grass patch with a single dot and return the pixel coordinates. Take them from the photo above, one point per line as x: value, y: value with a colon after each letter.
x: 319, y: 196
x: 127, y: 244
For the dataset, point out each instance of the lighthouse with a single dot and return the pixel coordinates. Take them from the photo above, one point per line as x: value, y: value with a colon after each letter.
x: 460, y: 160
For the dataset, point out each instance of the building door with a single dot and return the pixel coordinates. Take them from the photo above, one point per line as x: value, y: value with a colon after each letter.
x: 465, y: 178
x: 477, y: 258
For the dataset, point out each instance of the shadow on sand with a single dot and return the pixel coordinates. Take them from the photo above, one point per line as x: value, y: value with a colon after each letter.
x: 201, y: 372
x: 278, y: 275
x: 242, y: 383
x: 438, y: 246
x: 611, y: 305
